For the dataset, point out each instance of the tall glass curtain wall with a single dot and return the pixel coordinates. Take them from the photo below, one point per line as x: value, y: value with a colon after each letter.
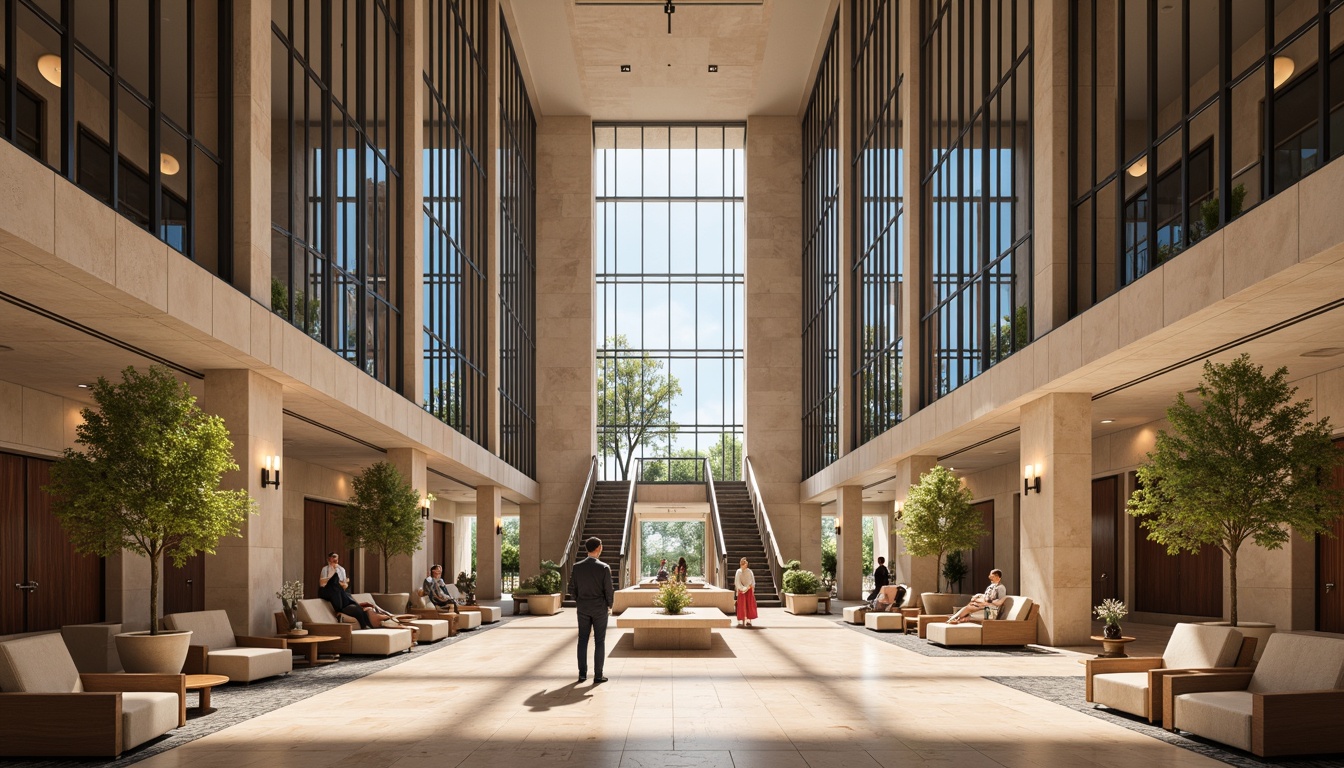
x: 517, y: 265
x: 335, y: 184
x: 879, y: 189
x: 1186, y: 114
x: 976, y: 108
x: 456, y: 289
x: 128, y: 100
x: 669, y: 299
x: 821, y: 263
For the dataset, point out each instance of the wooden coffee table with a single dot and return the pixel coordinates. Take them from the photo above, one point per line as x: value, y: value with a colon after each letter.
x: 1112, y: 647
x: 310, y: 645
x: 203, y: 684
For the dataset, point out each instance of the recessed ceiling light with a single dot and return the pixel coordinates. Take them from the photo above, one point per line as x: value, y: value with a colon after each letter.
x: 84, y: 386
x: 625, y: 67
x: 49, y: 66
x: 1324, y: 352
x: 168, y: 164
x: 1108, y: 421
x: 713, y: 67
x: 1168, y: 8
x: 1139, y: 167
x: 999, y: 453
x: 1283, y: 69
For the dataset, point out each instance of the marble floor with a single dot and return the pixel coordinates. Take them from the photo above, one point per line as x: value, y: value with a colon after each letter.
x: 794, y: 691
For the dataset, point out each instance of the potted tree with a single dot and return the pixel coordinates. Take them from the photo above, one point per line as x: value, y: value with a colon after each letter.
x: 384, y: 516
x: 1247, y: 465
x: 147, y: 481
x: 543, y: 590
x: 939, y: 519
x: 800, y: 591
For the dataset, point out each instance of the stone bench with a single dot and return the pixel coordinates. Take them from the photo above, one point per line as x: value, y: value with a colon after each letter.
x: 689, y: 630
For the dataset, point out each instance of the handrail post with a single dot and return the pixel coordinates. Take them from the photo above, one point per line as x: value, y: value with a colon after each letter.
x: 772, y: 555
x: 580, y: 518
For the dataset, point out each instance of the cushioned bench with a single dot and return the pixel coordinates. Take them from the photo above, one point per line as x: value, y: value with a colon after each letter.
x: 427, y: 630
x: 855, y: 614
x: 1016, y: 625
x: 319, y: 619
x: 216, y: 650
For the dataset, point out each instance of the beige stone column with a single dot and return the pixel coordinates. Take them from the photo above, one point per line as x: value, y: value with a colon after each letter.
x: 919, y: 573
x: 529, y: 540
x: 246, y: 570
x: 1050, y: 167
x: 566, y: 361
x: 1057, y: 520
x: 251, y: 72
x: 809, y: 539
x: 912, y: 170
x: 405, y: 572
x: 772, y: 375
x: 411, y: 209
x: 127, y: 577
x: 849, y: 542
x: 1277, y: 586
x: 489, y: 508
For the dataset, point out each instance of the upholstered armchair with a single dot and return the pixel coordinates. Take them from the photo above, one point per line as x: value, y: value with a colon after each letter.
x: 319, y: 619
x: 216, y: 650
x: 47, y: 708
x: 1015, y: 625
x: 428, y: 629
x: 1135, y: 684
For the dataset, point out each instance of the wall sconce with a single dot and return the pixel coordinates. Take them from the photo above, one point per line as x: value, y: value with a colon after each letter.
x: 272, y: 464
x: 1031, y: 479
x: 424, y: 508
x: 499, y: 526
x: 838, y: 521
x: 900, y: 510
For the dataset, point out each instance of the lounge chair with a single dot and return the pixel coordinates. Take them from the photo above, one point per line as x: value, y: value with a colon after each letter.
x: 216, y: 650
x: 319, y: 619
x: 1015, y: 625
x: 1135, y: 684
x: 427, y: 630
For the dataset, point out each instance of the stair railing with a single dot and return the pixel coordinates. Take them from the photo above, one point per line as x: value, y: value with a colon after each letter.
x: 720, y: 546
x: 580, y: 519
x: 773, y: 558
x: 624, y: 572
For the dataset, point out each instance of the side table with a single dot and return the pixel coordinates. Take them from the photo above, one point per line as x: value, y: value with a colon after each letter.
x: 202, y: 684
x: 310, y: 644
x: 1112, y: 648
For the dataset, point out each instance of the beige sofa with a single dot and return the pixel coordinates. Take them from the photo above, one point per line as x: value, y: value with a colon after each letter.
x: 1290, y: 704
x: 857, y: 614
x: 1135, y: 684
x: 1016, y: 625
x: 216, y: 650
x: 427, y: 630
x: 319, y: 619
x: 47, y: 708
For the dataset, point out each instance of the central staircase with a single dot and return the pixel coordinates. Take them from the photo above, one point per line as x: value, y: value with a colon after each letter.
x: 742, y: 538
x: 606, y: 521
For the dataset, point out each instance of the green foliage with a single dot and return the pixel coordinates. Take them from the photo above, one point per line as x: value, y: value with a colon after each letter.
x: 828, y: 561
x: 634, y: 403
x: 881, y: 393
x: 1249, y: 464
x: 673, y: 597
x: 687, y: 465
x: 954, y: 570
x: 800, y: 582
x: 793, y: 565
x: 307, y: 314
x: 939, y: 518
x: 383, y: 515
x: 1010, y: 335
x: 671, y: 539
x: 508, y: 546
x: 148, y: 478
x: 445, y: 402
x: 548, y: 581
x: 1111, y: 611
x: 466, y: 584
x: 1208, y: 211
x: 828, y: 546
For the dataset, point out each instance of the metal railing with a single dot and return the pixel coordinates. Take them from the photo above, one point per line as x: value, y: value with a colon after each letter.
x: 626, y: 533
x: 773, y: 558
x: 580, y: 517
x: 670, y: 469
x: 720, y: 546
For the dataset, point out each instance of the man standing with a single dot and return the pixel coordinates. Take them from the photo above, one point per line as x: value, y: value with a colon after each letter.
x: 590, y: 584
x: 881, y: 578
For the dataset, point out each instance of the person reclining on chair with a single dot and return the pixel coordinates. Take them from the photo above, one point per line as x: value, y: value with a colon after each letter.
x: 993, y: 596
x: 889, y: 598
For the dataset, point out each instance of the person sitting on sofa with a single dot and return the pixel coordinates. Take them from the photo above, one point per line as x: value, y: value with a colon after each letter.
x: 334, y: 587
x: 994, y: 595
x: 434, y: 588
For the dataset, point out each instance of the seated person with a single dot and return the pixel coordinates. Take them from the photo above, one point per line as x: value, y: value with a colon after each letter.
x: 379, y: 617
x: 993, y: 596
x: 662, y: 571
x: 334, y: 587
x: 889, y: 598
x: 434, y: 588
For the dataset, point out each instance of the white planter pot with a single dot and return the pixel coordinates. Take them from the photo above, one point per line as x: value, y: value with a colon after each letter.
x: 163, y: 654
x: 941, y: 603
x: 543, y: 605
x: 800, y: 605
x: 392, y: 602
x: 1257, y: 629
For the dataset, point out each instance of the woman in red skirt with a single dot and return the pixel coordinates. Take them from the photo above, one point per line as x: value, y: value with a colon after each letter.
x: 745, y: 582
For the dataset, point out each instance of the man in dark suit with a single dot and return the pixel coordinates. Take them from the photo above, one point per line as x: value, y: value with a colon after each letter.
x: 881, y: 578
x: 590, y: 584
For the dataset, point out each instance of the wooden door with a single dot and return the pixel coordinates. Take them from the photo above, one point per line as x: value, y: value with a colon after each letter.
x: 70, y: 587
x: 1105, y: 538
x: 439, y: 553
x: 1185, y: 584
x: 1330, y: 570
x: 981, y: 559
x: 184, y: 588
x: 320, y: 536
x: 13, y: 540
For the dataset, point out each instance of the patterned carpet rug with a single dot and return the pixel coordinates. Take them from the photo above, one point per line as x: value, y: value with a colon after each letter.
x: 1069, y: 692
x: 233, y: 704
x: 926, y: 648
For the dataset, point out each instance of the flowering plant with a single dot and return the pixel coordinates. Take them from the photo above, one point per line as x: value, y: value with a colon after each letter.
x: 673, y: 597
x: 1111, y: 610
x: 291, y: 592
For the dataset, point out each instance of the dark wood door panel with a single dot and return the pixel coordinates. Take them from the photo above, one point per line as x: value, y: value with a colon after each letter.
x: 184, y: 588
x: 1330, y: 570
x: 70, y: 587
x: 1105, y: 539
x: 981, y: 559
x: 13, y: 542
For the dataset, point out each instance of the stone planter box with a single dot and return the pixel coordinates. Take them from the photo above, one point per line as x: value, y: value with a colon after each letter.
x: 393, y: 602
x: 1258, y: 629
x: 161, y: 654
x: 543, y: 605
x: 941, y: 603
x: 800, y: 604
